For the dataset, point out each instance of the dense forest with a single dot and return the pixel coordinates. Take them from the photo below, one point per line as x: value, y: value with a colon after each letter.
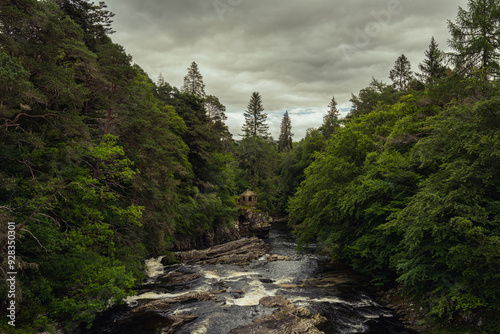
x: 102, y: 167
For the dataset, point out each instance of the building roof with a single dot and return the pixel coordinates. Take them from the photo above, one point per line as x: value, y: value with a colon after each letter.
x: 248, y: 193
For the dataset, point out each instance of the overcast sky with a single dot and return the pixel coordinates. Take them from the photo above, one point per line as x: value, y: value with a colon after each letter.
x: 297, y: 54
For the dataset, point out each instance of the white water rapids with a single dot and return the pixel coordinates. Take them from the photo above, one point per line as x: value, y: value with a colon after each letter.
x: 343, y: 302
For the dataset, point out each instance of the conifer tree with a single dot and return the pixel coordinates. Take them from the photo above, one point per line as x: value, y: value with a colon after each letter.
x: 432, y: 67
x: 255, y: 119
x: 475, y: 37
x: 401, y: 75
x: 331, y: 119
x: 285, y: 139
x: 193, y: 82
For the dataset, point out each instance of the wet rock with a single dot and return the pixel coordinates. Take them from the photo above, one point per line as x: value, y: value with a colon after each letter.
x: 328, y: 281
x: 280, y: 219
x: 239, y: 252
x: 177, y: 321
x: 251, y: 222
x: 266, y: 280
x: 175, y: 277
x: 274, y: 301
x: 163, y: 304
x: 286, y: 319
x: 273, y: 258
x: 254, y: 222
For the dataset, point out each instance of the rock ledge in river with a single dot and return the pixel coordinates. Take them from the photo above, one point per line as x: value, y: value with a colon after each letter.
x: 287, y: 319
x: 239, y: 252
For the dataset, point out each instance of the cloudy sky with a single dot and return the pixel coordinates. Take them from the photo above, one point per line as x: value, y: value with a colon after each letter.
x: 297, y: 54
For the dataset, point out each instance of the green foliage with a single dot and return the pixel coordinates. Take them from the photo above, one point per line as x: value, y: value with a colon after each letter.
x: 432, y: 67
x: 193, y: 82
x: 97, y: 282
x: 331, y: 120
x: 369, y: 97
x: 293, y: 164
x: 409, y: 192
x: 401, y: 75
x: 285, y: 138
x: 453, y: 218
x: 474, y: 37
x: 255, y: 119
x: 258, y: 159
x: 100, y: 168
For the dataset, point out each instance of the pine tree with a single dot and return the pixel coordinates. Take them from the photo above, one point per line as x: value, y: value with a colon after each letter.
x: 475, y: 37
x: 432, y: 67
x: 285, y: 139
x: 193, y: 82
x: 401, y: 75
x: 331, y: 119
x: 255, y: 119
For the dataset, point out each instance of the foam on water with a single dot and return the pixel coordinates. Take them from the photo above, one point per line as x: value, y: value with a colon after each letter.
x: 154, y: 267
x: 334, y: 300
x: 132, y: 300
x: 228, y: 275
x: 253, y: 295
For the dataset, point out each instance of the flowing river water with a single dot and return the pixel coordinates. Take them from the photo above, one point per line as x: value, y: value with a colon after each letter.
x: 303, y: 279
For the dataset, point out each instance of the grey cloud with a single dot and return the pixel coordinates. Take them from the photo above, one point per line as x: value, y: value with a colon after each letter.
x: 293, y: 52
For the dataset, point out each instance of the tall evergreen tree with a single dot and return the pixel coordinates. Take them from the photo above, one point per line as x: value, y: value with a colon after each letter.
x: 331, y: 119
x: 432, y: 67
x: 475, y: 37
x: 255, y: 119
x: 285, y: 139
x: 401, y: 75
x: 193, y: 82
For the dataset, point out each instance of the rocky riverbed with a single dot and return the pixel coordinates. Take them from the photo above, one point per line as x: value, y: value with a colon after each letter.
x: 250, y: 285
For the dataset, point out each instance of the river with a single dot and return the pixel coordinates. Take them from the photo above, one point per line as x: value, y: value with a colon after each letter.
x: 339, y: 295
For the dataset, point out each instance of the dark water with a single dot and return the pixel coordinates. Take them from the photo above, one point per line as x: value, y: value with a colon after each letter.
x: 302, y: 279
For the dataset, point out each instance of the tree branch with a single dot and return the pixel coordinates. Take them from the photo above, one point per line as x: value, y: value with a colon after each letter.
x: 31, y: 170
x: 13, y: 122
x: 25, y: 230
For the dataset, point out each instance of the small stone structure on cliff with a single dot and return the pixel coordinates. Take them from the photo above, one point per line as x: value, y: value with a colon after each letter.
x: 248, y: 198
